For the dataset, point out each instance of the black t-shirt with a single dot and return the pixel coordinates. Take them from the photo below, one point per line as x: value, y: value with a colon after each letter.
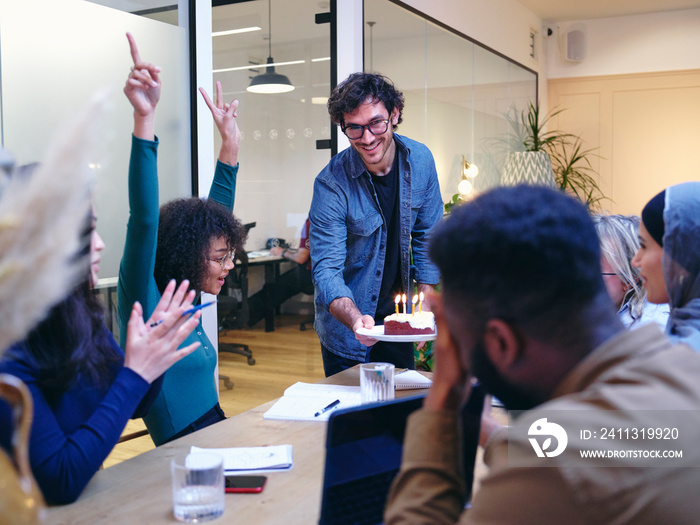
x: 387, y: 188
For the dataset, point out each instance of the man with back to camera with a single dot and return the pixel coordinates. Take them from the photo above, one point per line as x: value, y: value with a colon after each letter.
x: 529, y: 316
x: 373, y: 207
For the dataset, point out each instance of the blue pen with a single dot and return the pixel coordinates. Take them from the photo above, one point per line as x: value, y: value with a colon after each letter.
x: 187, y: 312
x: 327, y: 407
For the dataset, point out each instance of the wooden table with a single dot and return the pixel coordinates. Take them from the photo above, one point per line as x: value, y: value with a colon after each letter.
x: 139, y: 490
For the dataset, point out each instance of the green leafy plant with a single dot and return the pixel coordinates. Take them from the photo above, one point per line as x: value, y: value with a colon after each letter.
x: 529, y: 129
x: 454, y: 201
x: 424, y: 357
x: 571, y: 163
x: 573, y: 172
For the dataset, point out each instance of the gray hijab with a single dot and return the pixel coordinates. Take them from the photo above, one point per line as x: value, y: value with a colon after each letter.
x: 681, y: 261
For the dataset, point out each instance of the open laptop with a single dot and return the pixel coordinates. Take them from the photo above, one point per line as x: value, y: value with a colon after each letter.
x: 363, y: 455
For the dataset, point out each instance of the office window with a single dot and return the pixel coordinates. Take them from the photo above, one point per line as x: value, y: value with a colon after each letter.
x: 457, y: 91
x: 279, y: 157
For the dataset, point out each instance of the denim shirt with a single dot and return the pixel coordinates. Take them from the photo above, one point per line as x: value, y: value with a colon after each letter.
x: 348, y: 236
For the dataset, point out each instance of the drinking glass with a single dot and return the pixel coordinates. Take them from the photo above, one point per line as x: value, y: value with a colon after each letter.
x: 376, y: 382
x: 198, y: 487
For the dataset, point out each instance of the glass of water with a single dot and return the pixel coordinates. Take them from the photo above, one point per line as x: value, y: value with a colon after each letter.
x: 376, y: 382
x: 198, y: 487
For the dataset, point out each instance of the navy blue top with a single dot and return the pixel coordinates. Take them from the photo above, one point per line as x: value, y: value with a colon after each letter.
x: 74, y: 431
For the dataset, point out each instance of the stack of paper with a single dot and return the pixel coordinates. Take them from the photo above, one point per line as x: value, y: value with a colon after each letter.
x: 258, y: 254
x: 243, y: 460
x: 302, y: 401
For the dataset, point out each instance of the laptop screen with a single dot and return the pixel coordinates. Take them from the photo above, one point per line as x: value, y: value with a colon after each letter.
x: 363, y: 455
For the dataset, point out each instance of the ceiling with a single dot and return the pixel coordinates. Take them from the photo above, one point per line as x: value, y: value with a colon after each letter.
x: 559, y: 10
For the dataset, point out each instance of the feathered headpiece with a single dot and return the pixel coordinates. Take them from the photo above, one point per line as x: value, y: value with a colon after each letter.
x: 43, y: 218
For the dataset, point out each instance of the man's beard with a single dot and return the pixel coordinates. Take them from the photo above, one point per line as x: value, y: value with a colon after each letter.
x: 513, y: 398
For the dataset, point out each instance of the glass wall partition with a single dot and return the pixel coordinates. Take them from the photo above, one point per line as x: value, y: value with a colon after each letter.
x: 458, y: 93
x: 282, y: 132
x: 55, y: 54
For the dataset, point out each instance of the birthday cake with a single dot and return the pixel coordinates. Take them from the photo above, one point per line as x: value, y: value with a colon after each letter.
x: 409, y: 324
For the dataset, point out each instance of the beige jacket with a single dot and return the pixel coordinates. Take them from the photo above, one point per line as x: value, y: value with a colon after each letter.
x: 616, y: 388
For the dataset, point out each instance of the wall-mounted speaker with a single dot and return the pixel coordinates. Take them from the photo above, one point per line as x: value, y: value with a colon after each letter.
x: 572, y: 45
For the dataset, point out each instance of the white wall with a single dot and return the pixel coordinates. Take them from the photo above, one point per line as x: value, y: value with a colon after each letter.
x: 633, y: 98
x: 631, y: 44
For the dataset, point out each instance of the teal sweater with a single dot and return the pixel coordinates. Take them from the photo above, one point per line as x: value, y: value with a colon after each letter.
x: 189, y: 386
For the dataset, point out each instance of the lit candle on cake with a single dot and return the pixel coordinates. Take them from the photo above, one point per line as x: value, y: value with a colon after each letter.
x: 420, y: 302
x: 413, y: 306
x: 403, y: 299
x: 397, y: 301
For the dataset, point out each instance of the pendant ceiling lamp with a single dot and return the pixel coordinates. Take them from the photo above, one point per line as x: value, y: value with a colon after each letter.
x: 270, y: 81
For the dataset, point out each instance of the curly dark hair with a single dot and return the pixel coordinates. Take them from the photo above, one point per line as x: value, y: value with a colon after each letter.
x: 186, y: 230
x: 354, y: 90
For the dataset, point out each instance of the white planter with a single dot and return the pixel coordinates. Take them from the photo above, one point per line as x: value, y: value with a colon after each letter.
x: 528, y: 167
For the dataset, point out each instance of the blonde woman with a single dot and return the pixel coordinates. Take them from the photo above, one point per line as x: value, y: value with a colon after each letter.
x: 619, y: 242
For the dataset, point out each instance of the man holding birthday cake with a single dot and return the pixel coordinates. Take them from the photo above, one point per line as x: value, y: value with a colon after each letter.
x: 373, y: 208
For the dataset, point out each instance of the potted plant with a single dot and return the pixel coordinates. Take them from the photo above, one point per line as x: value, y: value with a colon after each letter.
x: 552, y: 158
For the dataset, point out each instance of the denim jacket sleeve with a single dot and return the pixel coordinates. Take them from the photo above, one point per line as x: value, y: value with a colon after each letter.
x: 328, y: 237
x: 426, y: 212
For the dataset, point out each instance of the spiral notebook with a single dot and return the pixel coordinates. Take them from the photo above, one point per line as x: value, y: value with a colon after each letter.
x: 302, y: 401
x: 411, y: 379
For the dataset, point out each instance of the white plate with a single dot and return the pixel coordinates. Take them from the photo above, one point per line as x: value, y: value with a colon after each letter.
x: 377, y: 332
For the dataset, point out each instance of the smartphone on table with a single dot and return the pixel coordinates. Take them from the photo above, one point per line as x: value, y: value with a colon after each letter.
x: 244, y: 484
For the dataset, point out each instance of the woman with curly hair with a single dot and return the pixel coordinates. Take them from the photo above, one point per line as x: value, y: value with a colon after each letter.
x: 191, y: 239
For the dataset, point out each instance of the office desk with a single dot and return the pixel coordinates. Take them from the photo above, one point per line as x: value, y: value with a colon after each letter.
x: 139, y: 490
x: 272, y: 272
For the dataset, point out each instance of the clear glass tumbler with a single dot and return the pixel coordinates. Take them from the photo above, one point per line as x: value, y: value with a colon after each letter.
x: 198, y: 487
x: 376, y: 382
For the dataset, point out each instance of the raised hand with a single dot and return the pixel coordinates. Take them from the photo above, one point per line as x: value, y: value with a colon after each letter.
x: 225, y: 115
x: 143, y: 91
x: 153, y: 348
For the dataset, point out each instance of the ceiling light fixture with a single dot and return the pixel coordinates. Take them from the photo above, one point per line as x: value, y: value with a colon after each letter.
x: 256, y: 66
x: 236, y: 31
x: 270, y: 81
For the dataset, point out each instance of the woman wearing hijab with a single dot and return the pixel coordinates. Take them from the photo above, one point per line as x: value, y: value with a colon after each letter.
x: 669, y: 258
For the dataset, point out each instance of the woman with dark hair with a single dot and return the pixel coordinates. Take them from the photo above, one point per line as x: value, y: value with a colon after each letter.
x: 83, y: 386
x: 669, y: 258
x: 190, y: 239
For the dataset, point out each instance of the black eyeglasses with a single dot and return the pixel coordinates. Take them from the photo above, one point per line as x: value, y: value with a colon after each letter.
x: 355, y: 131
x: 608, y: 273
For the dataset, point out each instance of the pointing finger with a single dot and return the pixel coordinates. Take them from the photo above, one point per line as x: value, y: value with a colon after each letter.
x: 134, y: 50
x: 219, y: 95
